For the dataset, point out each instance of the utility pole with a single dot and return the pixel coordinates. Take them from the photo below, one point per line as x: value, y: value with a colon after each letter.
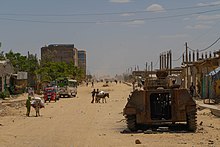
x: 167, y: 61
x: 170, y: 62
x: 146, y: 66
x: 186, y: 65
x: 151, y: 69
x: 145, y: 73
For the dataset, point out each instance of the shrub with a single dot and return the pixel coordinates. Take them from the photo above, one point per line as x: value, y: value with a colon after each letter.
x: 2, y: 95
x: 5, y: 94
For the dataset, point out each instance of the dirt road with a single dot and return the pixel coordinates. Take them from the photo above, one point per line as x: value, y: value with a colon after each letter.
x: 76, y: 122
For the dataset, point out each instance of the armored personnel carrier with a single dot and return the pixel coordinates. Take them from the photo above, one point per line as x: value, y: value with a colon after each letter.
x: 160, y: 103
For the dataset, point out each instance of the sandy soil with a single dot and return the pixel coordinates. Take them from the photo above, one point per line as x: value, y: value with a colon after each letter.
x: 75, y: 122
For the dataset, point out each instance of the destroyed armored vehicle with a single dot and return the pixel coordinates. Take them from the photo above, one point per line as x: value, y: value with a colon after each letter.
x: 160, y: 103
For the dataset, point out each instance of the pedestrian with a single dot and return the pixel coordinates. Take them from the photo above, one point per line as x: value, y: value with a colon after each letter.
x: 92, y: 84
x: 28, y: 105
x: 192, y: 89
x: 96, y: 93
x: 133, y: 85
x: 93, y: 95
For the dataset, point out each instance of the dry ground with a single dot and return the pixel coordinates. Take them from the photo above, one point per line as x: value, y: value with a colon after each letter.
x: 75, y: 122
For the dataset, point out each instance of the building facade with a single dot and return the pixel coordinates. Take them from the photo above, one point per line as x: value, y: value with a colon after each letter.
x: 75, y: 57
x: 64, y: 53
x: 59, y: 53
x: 82, y: 60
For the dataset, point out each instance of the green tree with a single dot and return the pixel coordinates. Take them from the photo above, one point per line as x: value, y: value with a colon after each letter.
x: 2, y: 56
x: 23, y: 63
x: 32, y: 63
x: 18, y: 61
x: 50, y: 71
x: 74, y: 72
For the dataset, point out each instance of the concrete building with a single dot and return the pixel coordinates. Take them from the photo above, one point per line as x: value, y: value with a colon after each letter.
x: 198, y: 73
x: 82, y: 60
x: 75, y: 57
x: 60, y: 53
x: 64, y: 53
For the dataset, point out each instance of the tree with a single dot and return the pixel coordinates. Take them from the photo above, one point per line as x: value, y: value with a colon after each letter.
x: 33, y: 63
x: 18, y: 61
x: 75, y: 72
x: 47, y: 70
x: 27, y: 64
x: 50, y: 71
x: 2, y: 56
x: 23, y: 63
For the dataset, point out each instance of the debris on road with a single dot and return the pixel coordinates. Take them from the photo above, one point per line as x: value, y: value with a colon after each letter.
x: 137, y: 141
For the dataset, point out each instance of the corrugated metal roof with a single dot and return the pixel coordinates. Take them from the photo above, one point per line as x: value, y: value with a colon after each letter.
x: 214, y: 72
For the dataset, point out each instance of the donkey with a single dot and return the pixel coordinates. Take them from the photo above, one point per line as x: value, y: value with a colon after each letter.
x: 101, y: 95
x: 37, y: 106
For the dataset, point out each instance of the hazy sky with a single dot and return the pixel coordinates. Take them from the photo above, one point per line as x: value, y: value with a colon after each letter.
x: 117, y: 34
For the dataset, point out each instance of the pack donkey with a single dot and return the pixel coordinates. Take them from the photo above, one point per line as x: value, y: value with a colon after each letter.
x: 101, y: 95
x: 37, y: 103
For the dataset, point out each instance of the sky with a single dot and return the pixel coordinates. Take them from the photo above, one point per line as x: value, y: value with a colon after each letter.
x: 118, y: 35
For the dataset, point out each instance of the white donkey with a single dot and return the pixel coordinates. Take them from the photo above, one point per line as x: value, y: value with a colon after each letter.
x: 37, y: 103
x: 101, y: 95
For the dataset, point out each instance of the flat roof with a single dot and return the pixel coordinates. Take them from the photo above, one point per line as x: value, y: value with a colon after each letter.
x: 64, y: 45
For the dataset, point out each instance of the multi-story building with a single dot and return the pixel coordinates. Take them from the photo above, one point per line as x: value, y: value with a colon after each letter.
x: 60, y: 53
x: 75, y: 57
x: 64, y: 53
x: 82, y: 60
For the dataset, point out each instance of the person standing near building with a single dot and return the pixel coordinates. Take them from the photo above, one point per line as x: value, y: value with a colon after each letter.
x: 192, y: 89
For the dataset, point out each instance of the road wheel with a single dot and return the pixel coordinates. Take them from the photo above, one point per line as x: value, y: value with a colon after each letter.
x: 131, y: 122
x: 191, y: 120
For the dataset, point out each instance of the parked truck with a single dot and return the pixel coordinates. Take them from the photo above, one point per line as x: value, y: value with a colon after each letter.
x: 67, y: 87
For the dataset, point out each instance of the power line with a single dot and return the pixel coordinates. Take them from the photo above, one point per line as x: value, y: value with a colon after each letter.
x: 205, y: 33
x: 179, y: 57
x: 202, y: 50
x: 198, y: 50
x: 110, y: 13
x: 40, y: 21
x: 114, y: 21
x: 156, y: 62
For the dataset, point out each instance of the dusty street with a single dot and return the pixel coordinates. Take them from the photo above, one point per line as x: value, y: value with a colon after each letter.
x: 75, y: 122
